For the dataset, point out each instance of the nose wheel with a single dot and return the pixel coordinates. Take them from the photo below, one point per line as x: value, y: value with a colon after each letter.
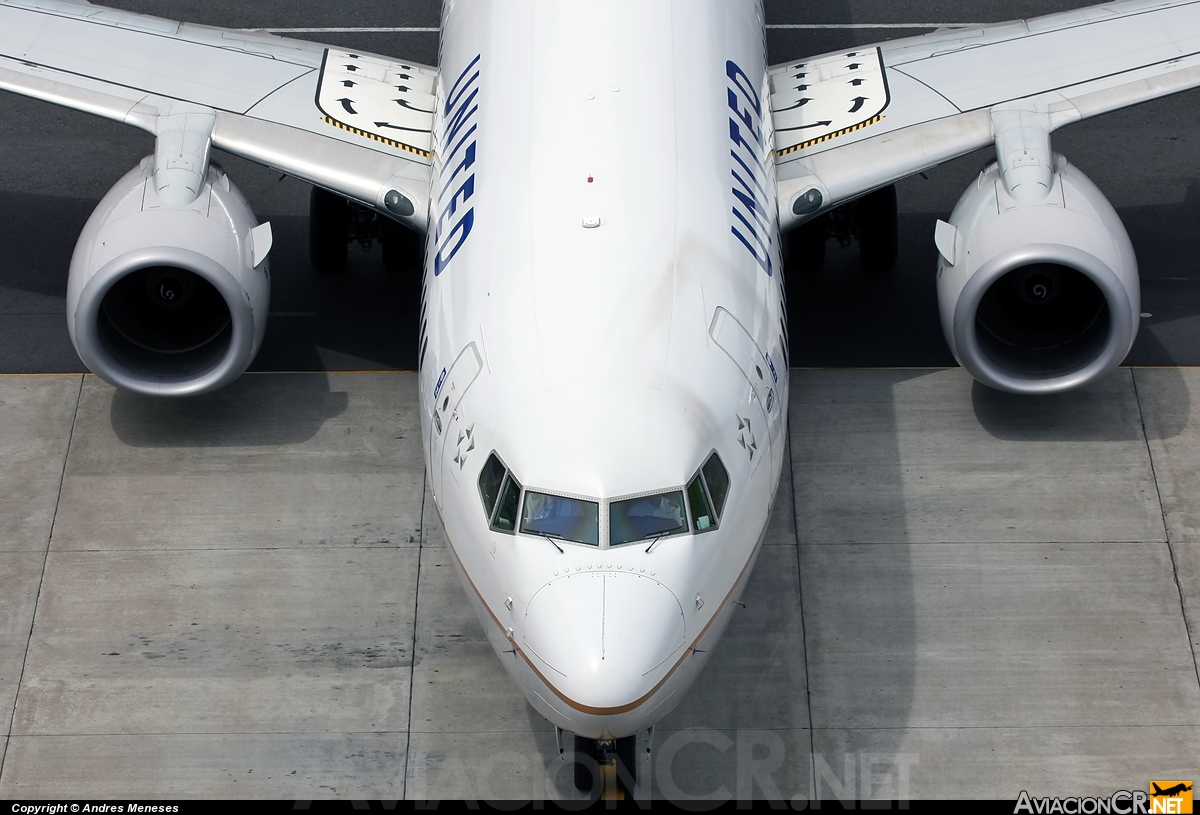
x: 606, y: 768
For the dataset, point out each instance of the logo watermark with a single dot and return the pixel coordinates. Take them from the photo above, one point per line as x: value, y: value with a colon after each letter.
x: 1163, y: 798
x: 697, y: 769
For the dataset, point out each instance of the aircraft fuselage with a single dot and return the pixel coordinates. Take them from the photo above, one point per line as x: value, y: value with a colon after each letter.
x: 603, y: 312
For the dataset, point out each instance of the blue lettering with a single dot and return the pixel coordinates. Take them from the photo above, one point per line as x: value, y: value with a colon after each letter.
x: 454, y: 151
x: 752, y: 227
x: 763, y: 260
x: 751, y: 202
x: 463, y: 228
x: 746, y: 118
x: 468, y: 161
x: 750, y: 194
x: 735, y: 133
x: 749, y: 172
x: 737, y: 75
x: 450, y: 99
x: 460, y: 100
x: 466, y: 191
x: 461, y: 116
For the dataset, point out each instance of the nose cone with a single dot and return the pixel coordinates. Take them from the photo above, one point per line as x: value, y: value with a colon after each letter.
x: 605, y: 635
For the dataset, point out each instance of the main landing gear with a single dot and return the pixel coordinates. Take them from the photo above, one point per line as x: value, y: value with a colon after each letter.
x: 334, y: 223
x: 606, y: 769
x: 871, y: 220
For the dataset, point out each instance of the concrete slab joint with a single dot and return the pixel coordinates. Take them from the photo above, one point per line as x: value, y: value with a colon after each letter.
x: 245, y: 596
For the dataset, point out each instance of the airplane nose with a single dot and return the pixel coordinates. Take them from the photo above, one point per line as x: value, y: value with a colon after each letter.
x: 604, y: 634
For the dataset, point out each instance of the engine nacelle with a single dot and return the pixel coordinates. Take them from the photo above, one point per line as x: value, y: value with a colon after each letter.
x: 169, y: 300
x: 1037, y: 297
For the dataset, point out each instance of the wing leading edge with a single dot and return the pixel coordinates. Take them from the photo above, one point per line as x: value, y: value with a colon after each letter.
x: 853, y: 121
x: 356, y: 123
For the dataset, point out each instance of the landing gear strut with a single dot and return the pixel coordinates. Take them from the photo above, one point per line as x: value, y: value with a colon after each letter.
x: 328, y: 231
x: 334, y: 223
x: 606, y: 768
x: 878, y: 234
x: 871, y: 220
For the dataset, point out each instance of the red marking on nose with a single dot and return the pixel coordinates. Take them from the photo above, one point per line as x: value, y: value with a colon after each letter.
x: 589, y: 179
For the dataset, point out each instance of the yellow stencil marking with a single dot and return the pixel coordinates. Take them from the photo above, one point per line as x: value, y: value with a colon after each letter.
x: 375, y: 136
x: 828, y: 136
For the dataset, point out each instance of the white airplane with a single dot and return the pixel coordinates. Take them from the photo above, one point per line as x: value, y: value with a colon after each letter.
x: 602, y: 188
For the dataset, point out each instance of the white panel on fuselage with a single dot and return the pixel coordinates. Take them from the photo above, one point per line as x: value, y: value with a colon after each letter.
x: 453, y: 439
x: 603, y: 128
x: 599, y: 378
x: 732, y: 338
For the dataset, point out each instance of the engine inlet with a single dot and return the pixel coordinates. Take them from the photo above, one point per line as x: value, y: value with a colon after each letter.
x: 1043, y: 319
x: 165, y: 321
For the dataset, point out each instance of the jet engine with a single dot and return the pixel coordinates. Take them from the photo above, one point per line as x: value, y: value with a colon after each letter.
x: 1038, y: 294
x: 169, y: 300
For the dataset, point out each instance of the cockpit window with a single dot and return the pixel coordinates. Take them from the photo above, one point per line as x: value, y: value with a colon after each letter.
x: 629, y: 519
x: 707, y: 493
x: 554, y: 516
x: 500, y: 493
x: 650, y: 516
x: 489, y: 483
x: 702, y: 514
x: 717, y: 479
x: 506, y: 510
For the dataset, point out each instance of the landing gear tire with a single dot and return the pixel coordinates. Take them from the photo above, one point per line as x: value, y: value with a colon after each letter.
x: 627, y: 764
x: 587, y: 766
x: 878, y: 234
x: 402, y: 247
x: 328, y: 231
x: 804, y: 246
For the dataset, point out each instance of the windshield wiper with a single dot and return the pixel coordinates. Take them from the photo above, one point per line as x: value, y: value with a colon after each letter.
x: 659, y: 536
x: 552, y: 543
x: 654, y: 542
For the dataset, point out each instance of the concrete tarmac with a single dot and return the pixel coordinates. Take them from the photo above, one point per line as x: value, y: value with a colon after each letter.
x: 247, y: 594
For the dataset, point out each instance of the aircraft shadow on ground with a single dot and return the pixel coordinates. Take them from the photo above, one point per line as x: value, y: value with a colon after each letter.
x: 368, y: 318
x: 1085, y: 414
x: 856, y: 576
x: 254, y: 411
x: 841, y: 316
x: 364, y: 318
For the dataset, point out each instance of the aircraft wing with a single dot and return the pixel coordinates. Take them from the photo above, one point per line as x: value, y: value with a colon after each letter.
x: 850, y: 122
x: 355, y: 123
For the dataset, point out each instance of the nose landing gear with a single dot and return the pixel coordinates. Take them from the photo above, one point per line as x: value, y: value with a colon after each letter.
x: 606, y: 769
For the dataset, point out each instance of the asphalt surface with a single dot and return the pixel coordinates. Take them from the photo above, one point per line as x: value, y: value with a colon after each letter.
x: 56, y: 164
